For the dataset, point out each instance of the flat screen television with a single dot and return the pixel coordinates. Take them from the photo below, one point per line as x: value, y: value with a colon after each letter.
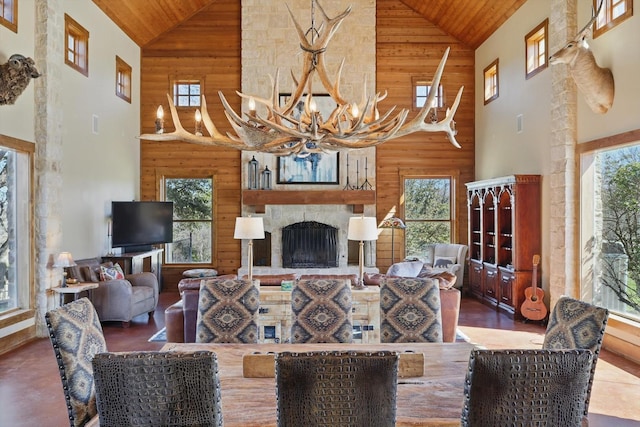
x: 136, y: 226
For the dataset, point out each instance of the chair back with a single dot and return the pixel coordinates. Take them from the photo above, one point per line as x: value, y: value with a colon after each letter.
x: 158, y: 389
x: 575, y: 324
x: 76, y: 336
x: 227, y: 311
x: 410, y: 310
x: 321, y: 311
x: 346, y: 389
x: 526, y: 387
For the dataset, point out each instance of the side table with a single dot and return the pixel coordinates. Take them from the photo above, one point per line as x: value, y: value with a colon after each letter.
x: 75, y: 290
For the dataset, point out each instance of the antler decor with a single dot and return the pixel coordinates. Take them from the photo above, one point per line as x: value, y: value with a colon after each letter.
x: 349, y: 126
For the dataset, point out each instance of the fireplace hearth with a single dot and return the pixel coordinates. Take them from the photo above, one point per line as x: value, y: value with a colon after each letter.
x: 309, y: 244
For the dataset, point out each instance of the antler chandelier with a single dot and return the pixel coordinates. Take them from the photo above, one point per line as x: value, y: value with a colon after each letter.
x: 350, y: 125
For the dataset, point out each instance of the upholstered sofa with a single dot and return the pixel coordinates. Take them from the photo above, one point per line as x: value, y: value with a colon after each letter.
x: 118, y: 300
x: 180, y: 318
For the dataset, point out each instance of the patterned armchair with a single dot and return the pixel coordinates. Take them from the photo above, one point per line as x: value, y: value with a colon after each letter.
x: 321, y: 311
x: 410, y: 310
x: 153, y: 388
x: 76, y: 336
x: 506, y: 387
x: 362, y: 388
x: 228, y: 311
x: 575, y: 324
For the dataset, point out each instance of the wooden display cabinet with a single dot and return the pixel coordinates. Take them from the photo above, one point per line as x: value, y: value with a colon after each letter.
x: 504, y: 234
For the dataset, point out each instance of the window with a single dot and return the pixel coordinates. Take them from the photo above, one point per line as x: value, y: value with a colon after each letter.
x: 123, y: 79
x: 192, y: 219
x: 421, y: 89
x: 610, y: 229
x: 186, y: 93
x: 491, y: 82
x: 613, y: 13
x: 15, y: 227
x: 536, y: 43
x: 9, y: 14
x: 76, y: 45
x: 428, y: 212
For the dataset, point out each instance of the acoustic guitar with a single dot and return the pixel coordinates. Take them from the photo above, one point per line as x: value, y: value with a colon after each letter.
x: 533, y: 307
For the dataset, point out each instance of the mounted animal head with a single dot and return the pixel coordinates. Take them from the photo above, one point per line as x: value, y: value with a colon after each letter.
x: 15, y: 76
x: 594, y: 82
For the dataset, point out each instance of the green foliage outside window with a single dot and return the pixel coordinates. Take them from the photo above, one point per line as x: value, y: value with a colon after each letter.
x: 192, y: 219
x: 427, y: 213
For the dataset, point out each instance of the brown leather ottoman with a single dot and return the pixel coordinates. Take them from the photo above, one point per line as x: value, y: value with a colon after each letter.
x: 174, y: 322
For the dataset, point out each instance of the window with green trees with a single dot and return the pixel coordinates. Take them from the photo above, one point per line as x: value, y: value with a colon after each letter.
x: 192, y: 220
x: 428, y: 213
x: 610, y: 229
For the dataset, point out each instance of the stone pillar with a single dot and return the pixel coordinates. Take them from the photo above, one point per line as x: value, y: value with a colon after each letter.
x: 49, y: 54
x: 563, y: 185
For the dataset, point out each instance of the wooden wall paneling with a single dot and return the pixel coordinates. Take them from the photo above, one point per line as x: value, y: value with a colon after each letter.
x: 408, y: 45
x: 206, y: 45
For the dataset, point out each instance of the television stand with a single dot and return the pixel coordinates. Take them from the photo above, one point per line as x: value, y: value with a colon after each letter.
x: 139, y: 262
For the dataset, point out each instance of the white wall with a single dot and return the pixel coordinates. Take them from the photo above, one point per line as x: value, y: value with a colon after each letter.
x: 103, y: 166
x: 17, y: 120
x: 96, y: 168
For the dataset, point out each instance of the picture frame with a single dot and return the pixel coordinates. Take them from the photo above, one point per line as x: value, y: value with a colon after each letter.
x: 315, y: 168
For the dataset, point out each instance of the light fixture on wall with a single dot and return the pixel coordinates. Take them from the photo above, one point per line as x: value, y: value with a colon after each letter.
x: 362, y: 228
x: 65, y: 260
x: 392, y: 223
x: 249, y: 228
x: 350, y: 125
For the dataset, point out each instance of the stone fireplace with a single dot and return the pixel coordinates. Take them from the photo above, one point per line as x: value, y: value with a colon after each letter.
x: 270, y: 42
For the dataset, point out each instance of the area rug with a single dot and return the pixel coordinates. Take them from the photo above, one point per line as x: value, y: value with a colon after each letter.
x: 159, y: 336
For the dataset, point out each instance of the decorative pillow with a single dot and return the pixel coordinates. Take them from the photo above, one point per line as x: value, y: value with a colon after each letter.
x: 111, y: 273
x: 88, y: 274
x: 444, y: 261
x: 405, y: 269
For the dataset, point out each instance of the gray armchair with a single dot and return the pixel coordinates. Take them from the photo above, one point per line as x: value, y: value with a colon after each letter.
x: 118, y: 300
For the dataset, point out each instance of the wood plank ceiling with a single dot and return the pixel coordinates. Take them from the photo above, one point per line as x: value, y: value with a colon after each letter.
x: 470, y: 21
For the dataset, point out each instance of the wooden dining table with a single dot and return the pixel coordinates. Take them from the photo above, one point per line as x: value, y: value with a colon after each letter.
x: 433, y: 399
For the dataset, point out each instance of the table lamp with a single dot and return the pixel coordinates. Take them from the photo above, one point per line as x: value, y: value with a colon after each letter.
x: 392, y: 223
x: 249, y: 228
x: 362, y: 228
x: 65, y: 260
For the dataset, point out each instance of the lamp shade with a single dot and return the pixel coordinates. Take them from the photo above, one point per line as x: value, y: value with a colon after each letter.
x: 392, y: 222
x: 64, y: 260
x: 249, y: 228
x: 362, y: 228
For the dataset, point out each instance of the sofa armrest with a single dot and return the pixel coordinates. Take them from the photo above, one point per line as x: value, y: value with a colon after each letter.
x: 146, y: 279
x: 112, y: 299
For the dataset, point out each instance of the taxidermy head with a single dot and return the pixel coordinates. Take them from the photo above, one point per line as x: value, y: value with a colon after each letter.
x: 15, y: 76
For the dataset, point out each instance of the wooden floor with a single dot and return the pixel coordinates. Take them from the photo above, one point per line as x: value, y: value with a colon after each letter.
x: 31, y: 391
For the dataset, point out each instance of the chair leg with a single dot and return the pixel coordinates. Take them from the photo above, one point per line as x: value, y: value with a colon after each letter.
x: 126, y: 324
x: 151, y: 313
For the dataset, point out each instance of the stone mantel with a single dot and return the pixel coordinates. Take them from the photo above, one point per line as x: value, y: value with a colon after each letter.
x: 260, y: 198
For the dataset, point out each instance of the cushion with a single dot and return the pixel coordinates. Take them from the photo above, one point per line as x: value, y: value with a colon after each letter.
x: 76, y: 336
x: 405, y: 269
x: 444, y: 261
x: 321, y: 311
x: 88, y: 274
x: 111, y: 273
x: 200, y: 272
x: 227, y: 312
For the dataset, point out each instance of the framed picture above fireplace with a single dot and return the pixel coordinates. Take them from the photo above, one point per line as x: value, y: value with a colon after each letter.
x: 310, y: 168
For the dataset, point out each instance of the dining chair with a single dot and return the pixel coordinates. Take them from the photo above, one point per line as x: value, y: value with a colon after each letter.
x: 158, y: 389
x: 410, y: 310
x: 526, y: 387
x: 575, y: 324
x: 76, y: 335
x: 341, y: 388
x: 227, y: 311
x: 321, y: 310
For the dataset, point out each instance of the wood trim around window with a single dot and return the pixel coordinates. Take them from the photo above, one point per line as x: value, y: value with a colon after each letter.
x: 12, y: 22
x: 80, y: 62
x: 609, y: 22
x: 123, y: 79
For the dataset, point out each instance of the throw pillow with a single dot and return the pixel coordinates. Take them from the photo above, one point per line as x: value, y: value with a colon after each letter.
x: 444, y: 261
x: 88, y: 274
x: 405, y: 269
x: 111, y: 273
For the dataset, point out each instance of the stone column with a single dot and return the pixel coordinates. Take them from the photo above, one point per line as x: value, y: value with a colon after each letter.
x: 49, y: 54
x: 563, y: 185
